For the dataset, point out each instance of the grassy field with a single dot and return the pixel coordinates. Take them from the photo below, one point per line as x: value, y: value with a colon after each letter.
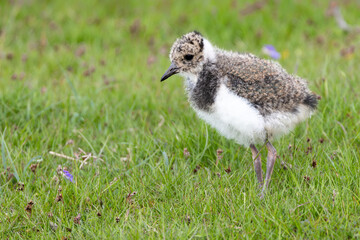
x: 86, y: 74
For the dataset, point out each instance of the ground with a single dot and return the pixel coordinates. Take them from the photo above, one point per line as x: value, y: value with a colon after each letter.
x: 86, y: 75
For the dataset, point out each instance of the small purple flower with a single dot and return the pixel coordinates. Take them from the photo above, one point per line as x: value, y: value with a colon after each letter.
x: 271, y: 51
x: 68, y: 176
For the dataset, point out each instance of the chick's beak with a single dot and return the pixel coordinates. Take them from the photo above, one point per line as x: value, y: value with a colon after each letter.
x: 173, y: 69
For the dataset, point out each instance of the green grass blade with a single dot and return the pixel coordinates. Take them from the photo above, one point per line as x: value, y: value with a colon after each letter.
x: 5, y: 148
x: 3, y: 156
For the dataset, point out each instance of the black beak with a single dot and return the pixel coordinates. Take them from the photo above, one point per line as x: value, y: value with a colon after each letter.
x: 173, y: 69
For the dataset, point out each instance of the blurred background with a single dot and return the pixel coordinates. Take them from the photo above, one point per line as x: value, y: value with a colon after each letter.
x: 108, y: 52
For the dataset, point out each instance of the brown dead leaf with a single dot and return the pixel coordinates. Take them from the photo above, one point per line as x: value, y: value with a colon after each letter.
x: 9, y: 56
x: 33, y: 167
x: 29, y: 207
x: 196, y: 169
x: 253, y: 7
x: 102, y: 62
x: 59, y: 198
x: 187, y: 220
x: 320, y: 40
x: 219, y: 155
x: 307, y: 179
x: 77, y: 219
x: 20, y: 186
x: 135, y: 27
x: 347, y: 52
x: 80, y: 51
x: 129, y: 197
x: 89, y: 71
x: 314, y: 163
x: 10, y: 176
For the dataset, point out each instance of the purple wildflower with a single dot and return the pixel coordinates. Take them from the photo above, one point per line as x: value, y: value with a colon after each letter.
x: 68, y: 176
x: 271, y: 51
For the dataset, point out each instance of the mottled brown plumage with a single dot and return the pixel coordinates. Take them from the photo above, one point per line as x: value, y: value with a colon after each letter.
x: 264, y: 83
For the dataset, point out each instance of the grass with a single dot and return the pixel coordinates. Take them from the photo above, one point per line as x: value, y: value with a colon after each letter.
x: 86, y: 74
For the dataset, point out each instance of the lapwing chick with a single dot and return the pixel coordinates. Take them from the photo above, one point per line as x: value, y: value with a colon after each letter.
x: 245, y: 98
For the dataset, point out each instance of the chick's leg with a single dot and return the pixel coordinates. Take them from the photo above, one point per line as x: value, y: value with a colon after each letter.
x: 257, y: 164
x: 271, y: 158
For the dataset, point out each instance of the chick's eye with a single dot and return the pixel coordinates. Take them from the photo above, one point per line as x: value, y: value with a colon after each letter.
x: 188, y: 57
